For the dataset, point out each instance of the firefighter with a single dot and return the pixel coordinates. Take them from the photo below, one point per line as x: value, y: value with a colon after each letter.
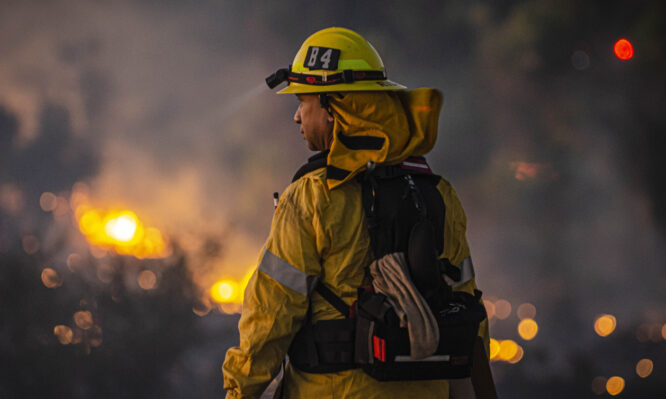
x: 351, y: 114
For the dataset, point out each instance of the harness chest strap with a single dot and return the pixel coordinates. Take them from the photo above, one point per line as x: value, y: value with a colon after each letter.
x: 454, y: 275
x: 303, y: 283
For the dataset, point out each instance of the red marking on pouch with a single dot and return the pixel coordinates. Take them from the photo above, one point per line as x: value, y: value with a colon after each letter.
x: 379, y: 348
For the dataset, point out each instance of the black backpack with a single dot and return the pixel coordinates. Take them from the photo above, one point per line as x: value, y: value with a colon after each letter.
x: 404, y: 213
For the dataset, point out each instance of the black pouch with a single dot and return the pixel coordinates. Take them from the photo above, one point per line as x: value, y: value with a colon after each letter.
x: 325, y: 347
x: 383, y: 349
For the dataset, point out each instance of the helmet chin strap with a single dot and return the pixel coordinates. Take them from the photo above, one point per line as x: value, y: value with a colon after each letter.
x: 324, y: 101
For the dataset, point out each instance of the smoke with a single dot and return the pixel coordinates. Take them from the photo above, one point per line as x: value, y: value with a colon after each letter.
x: 161, y: 108
x: 167, y: 103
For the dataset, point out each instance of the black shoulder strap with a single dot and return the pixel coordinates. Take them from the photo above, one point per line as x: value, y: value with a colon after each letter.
x: 405, y: 212
x: 314, y: 162
x: 331, y: 298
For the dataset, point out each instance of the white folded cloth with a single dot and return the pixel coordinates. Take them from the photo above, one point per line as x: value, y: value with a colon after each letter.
x: 390, y: 277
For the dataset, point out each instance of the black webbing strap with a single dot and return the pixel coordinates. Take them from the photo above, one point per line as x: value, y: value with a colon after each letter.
x: 449, y: 269
x: 314, y: 162
x: 331, y: 298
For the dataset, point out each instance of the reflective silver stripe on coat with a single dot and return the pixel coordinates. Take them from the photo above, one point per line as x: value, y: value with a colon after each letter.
x: 466, y: 271
x: 436, y: 358
x: 286, y: 274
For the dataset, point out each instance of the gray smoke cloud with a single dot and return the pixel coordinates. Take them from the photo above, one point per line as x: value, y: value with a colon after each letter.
x: 169, y: 97
x: 184, y: 131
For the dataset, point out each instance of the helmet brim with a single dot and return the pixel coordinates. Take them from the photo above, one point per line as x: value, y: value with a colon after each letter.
x: 369, y: 85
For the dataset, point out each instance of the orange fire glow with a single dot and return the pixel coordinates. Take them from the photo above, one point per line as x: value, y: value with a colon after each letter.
x: 532, y: 170
x: 230, y: 291
x: 121, y: 231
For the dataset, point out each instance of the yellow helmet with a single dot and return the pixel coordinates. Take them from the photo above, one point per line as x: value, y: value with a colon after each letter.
x: 334, y: 59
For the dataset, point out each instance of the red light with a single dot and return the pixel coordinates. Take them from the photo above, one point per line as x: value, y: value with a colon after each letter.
x: 623, y: 49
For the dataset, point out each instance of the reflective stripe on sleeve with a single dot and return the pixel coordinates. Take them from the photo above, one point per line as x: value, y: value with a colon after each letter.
x: 466, y: 271
x: 286, y: 274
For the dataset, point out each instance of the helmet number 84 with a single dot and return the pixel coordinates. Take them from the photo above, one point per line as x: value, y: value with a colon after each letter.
x: 322, y: 58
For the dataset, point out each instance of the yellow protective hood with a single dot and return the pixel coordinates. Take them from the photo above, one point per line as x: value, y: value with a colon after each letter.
x: 384, y: 127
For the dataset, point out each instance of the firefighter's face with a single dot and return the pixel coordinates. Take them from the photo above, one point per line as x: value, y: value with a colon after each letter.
x: 316, y: 123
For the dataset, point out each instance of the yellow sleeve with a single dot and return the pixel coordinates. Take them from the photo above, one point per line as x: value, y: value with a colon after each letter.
x: 456, y: 248
x: 276, y: 297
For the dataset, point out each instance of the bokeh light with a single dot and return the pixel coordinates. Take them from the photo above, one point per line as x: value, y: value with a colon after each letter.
x: 64, y: 334
x: 615, y: 385
x: 643, y: 332
x: 94, y: 336
x: 526, y: 311
x: 505, y: 350
x: 494, y: 348
x: 605, y: 324
x: 30, y: 244
x: 147, y: 280
x: 227, y: 293
x: 11, y: 198
x: 644, y: 368
x: 61, y: 207
x: 48, y: 201
x: 224, y: 291
x: 655, y: 332
x: 98, y: 252
x: 50, y: 278
x: 599, y: 385
x: 508, y: 349
x: 580, y: 60
x: 502, y: 309
x: 518, y: 356
x: 528, y: 329
x: 105, y: 272
x: 74, y: 262
x: 201, y: 309
x: 229, y: 308
x: 663, y: 331
x: 623, y: 49
x: 83, y: 319
x: 490, y: 308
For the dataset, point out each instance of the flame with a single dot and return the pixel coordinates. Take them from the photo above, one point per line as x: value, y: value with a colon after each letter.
x: 121, y: 228
x: 121, y: 231
x: 224, y: 291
